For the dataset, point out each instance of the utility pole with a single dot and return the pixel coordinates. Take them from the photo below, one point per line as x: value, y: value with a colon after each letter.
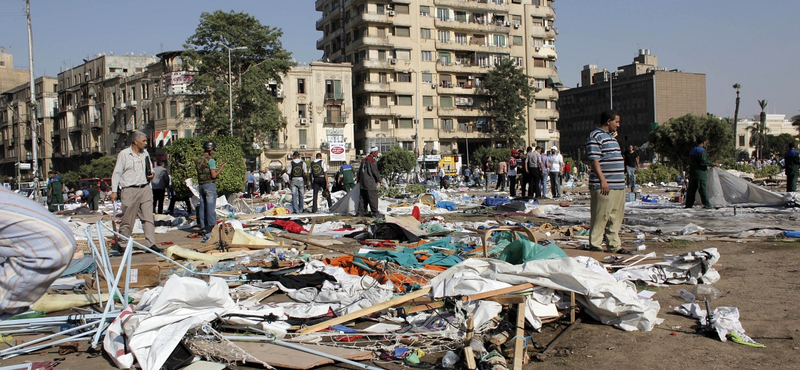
x: 32, y: 110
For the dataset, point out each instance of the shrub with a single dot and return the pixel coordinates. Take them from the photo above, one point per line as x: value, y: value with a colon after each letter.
x: 182, y: 153
x: 415, y: 189
x: 657, y: 173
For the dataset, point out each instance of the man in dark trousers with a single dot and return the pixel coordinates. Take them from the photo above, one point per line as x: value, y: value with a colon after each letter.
x: 348, y: 177
x: 55, y: 193
x: 369, y: 178
x: 698, y: 174
x: 207, y: 172
x: 533, y: 171
x: 792, y: 161
x: 319, y: 181
x: 631, y: 159
x: 159, y: 184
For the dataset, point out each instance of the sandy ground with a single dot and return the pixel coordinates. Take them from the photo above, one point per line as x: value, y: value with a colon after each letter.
x: 761, y: 279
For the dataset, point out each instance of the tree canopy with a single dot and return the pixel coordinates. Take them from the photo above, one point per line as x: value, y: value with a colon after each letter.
x: 184, y: 151
x: 510, y: 93
x: 394, y: 162
x: 257, y: 58
x: 674, y: 139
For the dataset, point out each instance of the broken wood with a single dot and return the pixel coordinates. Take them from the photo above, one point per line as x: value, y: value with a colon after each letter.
x: 519, y: 338
x: 366, y: 311
x: 473, y: 297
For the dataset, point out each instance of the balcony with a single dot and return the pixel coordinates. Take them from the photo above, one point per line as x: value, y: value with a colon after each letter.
x: 478, y: 26
x: 547, y: 94
x: 75, y: 128
x: 372, y: 87
x: 405, y: 88
x: 369, y: 17
x: 485, y: 5
x: 450, y: 88
x: 375, y: 110
x: 334, y: 96
x: 371, y: 41
x: 373, y: 63
x: 275, y: 147
x: 334, y: 120
x: 462, y: 67
x: 459, y: 112
x: 541, y: 11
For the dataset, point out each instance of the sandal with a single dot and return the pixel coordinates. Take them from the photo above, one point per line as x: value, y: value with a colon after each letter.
x: 621, y: 251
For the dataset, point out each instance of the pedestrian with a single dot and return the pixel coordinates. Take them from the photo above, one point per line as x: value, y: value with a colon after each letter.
x: 467, y: 175
x: 502, y: 172
x: 369, y: 178
x: 36, y: 248
x: 567, y: 171
x: 298, y: 173
x: 556, y: 171
x: 606, y: 184
x: 91, y: 196
x: 264, y: 186
x: 55, y: 192
x: 698, y: 174
x: 631, y: 164
x: 348, y: 177
x: 319, y: 182
x: 476, y: 175
x: 487, y: 169
x: 545, y: 155
x: 159, y: 184
x: 512, y: 173
x: 791, y: 161
x: 131, y: 176
x: 207, y: 173
x: 251, y: 184
x: 442, y: 182
x: 533, y: 171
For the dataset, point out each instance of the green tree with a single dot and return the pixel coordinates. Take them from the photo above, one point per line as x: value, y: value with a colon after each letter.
x: 762, y: 129
x: 510, y: 93
x: 101, y: 168
x: 758, y: 137
x: 498, y: 154
x: 776, y: 145
x: 796, y: 124
x: 736, y: 87
x: 395, y: 162
x: 674, y: 139
x: 184, y: 151
x: 256, y: 58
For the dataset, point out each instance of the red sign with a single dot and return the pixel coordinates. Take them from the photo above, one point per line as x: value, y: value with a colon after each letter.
x: 337, y: 150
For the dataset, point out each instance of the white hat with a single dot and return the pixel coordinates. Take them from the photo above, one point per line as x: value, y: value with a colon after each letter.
x: 554, y: 148
x: 373, y: 149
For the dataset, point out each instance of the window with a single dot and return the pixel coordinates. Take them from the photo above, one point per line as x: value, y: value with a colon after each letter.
x: 404, y: 100
x: 539, y: 83
x: 541, y: 104
x: 333, y: 89
x: 427, y: 77
x: 427, y: 100
x: 187, y: 133
x: 403, y: 54
x: 401, y: 8
x: 499, y: 40
x: 402, y: 31
x: 424, y: 10
x: 301, y: 110
x: 446, y: 124
x: 425, y: 33
x: 461, y: 16
x: 443, y: 14
x: 540, y: 62
x: 461, y: 38
x: 517, y: 40
x: 428, y: 123
x: 444, y: 36
x: 405, y: 123
x: 741, y: 140
x: 516, y: 19
x: 518, y: 61
x: 403, y: 77
x: 444, y: 58
x: 133, y: 93
x: 426, y: 56
x: 301, y: 85
x: 187, y: 111
x: 302, y: 136
x: 446, y: 101
x: 538, y: 41
x: 173, y: 109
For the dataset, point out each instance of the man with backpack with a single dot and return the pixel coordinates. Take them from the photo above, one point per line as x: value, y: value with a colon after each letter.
x: 368, y: 179
x: 297, y: 174
x: 319, y: 181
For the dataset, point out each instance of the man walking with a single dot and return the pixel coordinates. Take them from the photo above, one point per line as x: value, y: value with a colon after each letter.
x: 512, y: 173
x: 132, y: 175
x: 556, y: 171
x: 319, y: 181
x: 487, y: 169
x: 369, y: 178
x: 545, y: 156
x: 159, y: 184
x: 698, y: 174
x: 264, y: 186
x: 297, y: 172
x: 631, y: 164
x: 251, y: 184
x: 502, y: 171
x: 791, y: 160
x: 533, y: 172
x: 55, y: 192
x: 606, y: 184
x: 207, y: 173
x: 348, y: 177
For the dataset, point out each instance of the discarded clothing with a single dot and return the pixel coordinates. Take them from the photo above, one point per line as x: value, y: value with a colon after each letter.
x: 314, y: 280
x: 523, y: 250
x: 290, y: 226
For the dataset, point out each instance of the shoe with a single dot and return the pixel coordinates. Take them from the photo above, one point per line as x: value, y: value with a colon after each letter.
x: 594, y: 249
x: 206, y: 237
x: 708, y: 207
x: 156, y: 249
x: 620, y: 251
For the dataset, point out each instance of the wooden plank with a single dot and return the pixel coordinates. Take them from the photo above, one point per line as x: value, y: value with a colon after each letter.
x: 473, y: 297
x: 519, y: 338
x: 366, y: 311
x: 469, y: 358
x: 289, y: 358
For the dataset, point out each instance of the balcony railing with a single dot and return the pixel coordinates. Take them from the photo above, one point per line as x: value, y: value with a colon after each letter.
x: 334, y: 96
x: 334, y: 120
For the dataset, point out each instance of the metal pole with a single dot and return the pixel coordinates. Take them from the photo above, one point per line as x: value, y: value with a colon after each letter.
x: 230, y: 89
x: 32, y: 113
x: 611, y: 89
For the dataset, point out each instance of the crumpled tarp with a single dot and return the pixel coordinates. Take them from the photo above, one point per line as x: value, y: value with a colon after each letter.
x: 361, y: 267
x: 688, y: 268
x: 610, y: 302
x: 725, y: 188
x: 385, y: 231
x: 523, y: 250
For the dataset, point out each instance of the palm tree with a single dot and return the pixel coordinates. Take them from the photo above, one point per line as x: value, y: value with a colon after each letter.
x: 796, y: 124
x: 762, y: 127
x: 736, y: 111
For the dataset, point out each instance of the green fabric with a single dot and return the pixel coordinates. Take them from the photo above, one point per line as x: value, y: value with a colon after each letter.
x: 523, y: 250
x: 203, y: 169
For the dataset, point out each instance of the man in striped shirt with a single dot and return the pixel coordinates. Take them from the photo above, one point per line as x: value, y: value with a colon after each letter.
x: 35, y: 248
x: 606, y: 184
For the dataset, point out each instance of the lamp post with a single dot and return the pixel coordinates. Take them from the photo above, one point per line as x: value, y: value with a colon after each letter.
x: 230, y: 82
x: 611, y: 76
x: 417, y: 114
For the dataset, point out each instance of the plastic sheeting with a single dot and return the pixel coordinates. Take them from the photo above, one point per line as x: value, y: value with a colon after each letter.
x: 726, y: 189
x: 690, y: 268
x: 611, y: 302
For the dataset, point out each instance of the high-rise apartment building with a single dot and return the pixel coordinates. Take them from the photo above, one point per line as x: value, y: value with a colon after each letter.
x: 418, y: 66
x: 644, y: 93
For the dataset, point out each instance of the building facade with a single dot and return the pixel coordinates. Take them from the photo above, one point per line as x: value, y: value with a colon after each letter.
x: 776, y: 124
x: 644, y: 93
x: 316, y: 101
x: 11, y: 77
x: 418, y: 66
x: 16, y: 139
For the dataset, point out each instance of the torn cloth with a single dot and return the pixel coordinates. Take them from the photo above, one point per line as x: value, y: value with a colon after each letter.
x: 290, y: 226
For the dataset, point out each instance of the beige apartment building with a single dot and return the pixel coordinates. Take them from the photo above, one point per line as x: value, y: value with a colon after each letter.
x: 11, y: 77
x: 316, y: 101
x: 776, y: 124
x: 16, y: 141
x: 418, y: 66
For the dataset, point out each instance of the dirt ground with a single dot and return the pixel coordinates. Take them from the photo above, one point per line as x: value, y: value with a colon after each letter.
x: 761, y: 279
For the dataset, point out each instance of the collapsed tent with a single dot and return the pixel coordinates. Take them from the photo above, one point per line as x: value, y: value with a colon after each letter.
x: 348, y: 205
x: 725, y: 189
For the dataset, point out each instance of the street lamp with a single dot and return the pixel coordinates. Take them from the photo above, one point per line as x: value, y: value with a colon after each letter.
x: 611, y: 76
x: 230, y: 81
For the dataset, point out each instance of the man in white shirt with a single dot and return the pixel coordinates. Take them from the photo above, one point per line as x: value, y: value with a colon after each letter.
x: 132, y: 174
x: 556, y: 171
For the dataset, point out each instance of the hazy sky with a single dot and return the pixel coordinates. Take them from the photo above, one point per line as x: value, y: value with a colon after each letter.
x: 753, y: 43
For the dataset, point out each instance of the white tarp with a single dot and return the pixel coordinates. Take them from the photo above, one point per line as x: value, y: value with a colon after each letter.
x: 725, y: 189
x: 609, y: 301
x: 690, y: 268
x: 348, y: 205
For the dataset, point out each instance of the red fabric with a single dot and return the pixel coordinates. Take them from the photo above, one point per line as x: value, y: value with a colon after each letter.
x: 415, y: 213
x: 290, y: 226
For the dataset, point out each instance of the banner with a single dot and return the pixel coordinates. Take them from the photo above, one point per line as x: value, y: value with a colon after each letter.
x: 338, y: 152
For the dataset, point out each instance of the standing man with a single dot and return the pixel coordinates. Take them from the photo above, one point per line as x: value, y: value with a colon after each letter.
x: 606, y: 184
x: 545, y: 155
x: 207, y: 173
x: 348, y: 177
x: 512, y: 173
x: 556, y: 171
x: 442, y: 180
x: 298, y: 172
x: 631, y: 164
x: 55, y: 192
x: 159, y: 184
x: 791, y: 160
x: 502, y: 172
x: 698, y: 174
x: 36, y: 248
x: 319, y: 181
x: 533, y: 170
x: 264, y: 186
x: 131, y: 176
x: 487, y: 169
x: 251, y: 183
x: 369, y: 178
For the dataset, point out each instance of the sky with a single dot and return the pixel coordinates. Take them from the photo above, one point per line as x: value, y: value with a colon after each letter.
x: 753, y: 43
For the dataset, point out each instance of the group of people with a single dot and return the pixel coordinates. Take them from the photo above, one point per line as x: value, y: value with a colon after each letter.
x: 527, y: 174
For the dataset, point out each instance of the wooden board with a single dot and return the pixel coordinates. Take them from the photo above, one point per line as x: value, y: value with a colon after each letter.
x: 289, y: 358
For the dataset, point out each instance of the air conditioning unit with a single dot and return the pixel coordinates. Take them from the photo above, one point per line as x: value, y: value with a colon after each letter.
x: 389, y: 7
x: 433, y: 86
x: 508, y: 24
x: 538, y: 48
x: 547, y: 28
x: 303, y: 121
x: 516, y: 25
x: 391, y: 13
x: 303, y: 146
x: 470, y: 77
x: 392, y: 61
x: 430, y: 107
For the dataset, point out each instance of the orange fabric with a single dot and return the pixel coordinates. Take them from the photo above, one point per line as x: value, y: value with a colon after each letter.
x: 436, y: 268
x: 399, y: 280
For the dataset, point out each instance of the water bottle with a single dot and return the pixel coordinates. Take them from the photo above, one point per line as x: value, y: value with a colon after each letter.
x: 449, y: 360
x: 686, y: 295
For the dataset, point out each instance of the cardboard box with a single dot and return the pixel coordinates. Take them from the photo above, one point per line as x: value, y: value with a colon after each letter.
x: 144, y: 274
